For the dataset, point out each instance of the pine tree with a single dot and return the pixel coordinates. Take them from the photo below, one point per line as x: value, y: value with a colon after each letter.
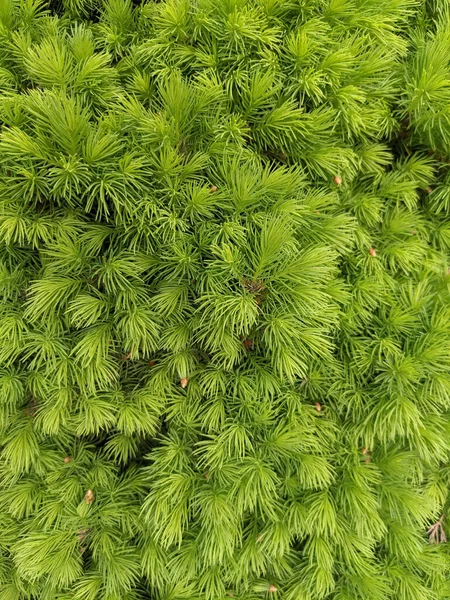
x: 225, y: 309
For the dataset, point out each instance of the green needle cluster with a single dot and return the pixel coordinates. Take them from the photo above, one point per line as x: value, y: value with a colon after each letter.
x: 224, y: 299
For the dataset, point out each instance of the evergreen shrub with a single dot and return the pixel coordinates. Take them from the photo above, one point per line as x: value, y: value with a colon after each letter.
x: 225, y: 315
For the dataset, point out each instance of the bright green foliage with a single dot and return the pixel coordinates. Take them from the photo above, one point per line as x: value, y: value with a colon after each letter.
x: 225, y: 313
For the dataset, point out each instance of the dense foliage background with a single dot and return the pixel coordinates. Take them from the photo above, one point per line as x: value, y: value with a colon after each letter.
x: 225, y: 316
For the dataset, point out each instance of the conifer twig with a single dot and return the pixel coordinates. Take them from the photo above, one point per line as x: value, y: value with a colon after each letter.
x: 436, y: 532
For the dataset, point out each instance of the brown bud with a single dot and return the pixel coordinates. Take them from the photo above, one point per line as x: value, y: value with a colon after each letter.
x: 372, y: 252
x: 183, y: 382
x: 337, y: 180
x: 67, y: 459
x: 272, y: 588
x: 428, y: 190
x: 213, y: 188
x: 89, y: 497
x: 151, y: 363
x: 318, y: 406
x: 366, y: 453
x: 248, y: 344
x: 31, y: 410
